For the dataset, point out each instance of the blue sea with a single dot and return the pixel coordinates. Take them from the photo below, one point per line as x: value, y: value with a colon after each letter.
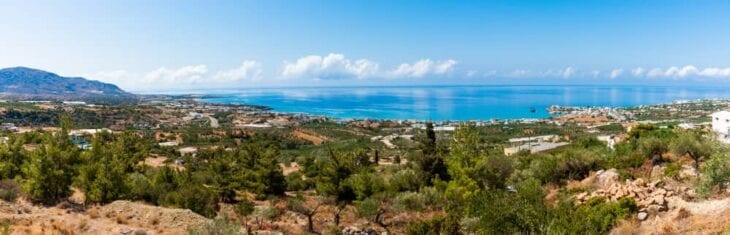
x: 458, y: 102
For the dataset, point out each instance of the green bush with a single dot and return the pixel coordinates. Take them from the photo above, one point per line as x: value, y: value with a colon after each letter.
x: 217, y: 227
x: 596, y: 216
x: 672, y: 169
x: 410, y: 201
x: 404, y: 180
x: 295, y: 182
x: 572, y: 164
x: 715, y: 173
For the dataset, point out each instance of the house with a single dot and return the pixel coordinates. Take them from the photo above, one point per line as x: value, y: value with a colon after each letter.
x: 167, y: 144
x: 88, y: 132
x: 533, y: 144
x: 686, y: 126
x: 9, y: 127
x: 188, y: 151
x: 721, y: 125
x: 533, y: 147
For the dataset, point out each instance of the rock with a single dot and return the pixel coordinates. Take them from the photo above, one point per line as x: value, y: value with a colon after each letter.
x: 607, y: 177
x: 642, y: 216
x: 691, y: 193
x: 657, y: 172
x: 659, y: 199
x: 688, y: 172
x: 654, y: 183
x: 653, y: 208
x: 640, y: 182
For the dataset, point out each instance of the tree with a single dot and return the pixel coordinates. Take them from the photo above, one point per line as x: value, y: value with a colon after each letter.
x: 374, y: 210
x: 429, y: 143
x: 102, y: 174
x: 693, y: 145
x: 507, y: 212
x: 653, y: 148
x: 300, y: 205
x: 46, y: 176
x: 243, y: 209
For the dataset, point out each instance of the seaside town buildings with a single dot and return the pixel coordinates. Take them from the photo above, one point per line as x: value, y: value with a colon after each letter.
x: 721, y: 125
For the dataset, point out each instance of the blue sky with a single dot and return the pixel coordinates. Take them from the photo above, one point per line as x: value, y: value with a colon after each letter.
x: 168, y: 45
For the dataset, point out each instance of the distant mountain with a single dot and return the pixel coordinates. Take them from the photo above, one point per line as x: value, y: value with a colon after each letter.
x: 28, y: 83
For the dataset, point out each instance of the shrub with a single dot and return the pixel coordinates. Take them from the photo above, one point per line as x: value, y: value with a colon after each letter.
x: 410, y: 201
x: 715, y: 173
x: 365, y: 184
x: 296, y: 182
x: 9, y: 190
x: 368, y: 208
x: 596, y: 216
x: 434, y: 226
x: 572, y: 164
x: 404, y: 180
x: 671, y: 170
x: 217, y: 226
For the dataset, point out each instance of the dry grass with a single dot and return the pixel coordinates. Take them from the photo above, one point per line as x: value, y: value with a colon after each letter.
x: 93, y: 212
x: 82, y: 224
x: 122, y: 219
x: 155, y: 220
x: 626, y: 227
x: 682, y: 214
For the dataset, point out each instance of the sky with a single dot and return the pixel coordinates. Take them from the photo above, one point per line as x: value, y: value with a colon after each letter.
x: 164, y: 45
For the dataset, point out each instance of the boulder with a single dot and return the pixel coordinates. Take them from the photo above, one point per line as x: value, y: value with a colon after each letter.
x: 606, y: 178
x: 642, y: 216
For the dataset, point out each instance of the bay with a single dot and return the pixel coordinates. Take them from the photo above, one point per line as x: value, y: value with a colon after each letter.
x: 458, y: 102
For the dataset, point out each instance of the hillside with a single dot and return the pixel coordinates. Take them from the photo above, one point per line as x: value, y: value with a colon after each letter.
x: 28, y: 83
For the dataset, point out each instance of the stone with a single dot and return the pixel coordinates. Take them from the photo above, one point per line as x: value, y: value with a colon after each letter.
x: 659, y: 199
x: 642, y: 216
x: 657, y: 172
x: 607, y: 177
x: 688, y: 172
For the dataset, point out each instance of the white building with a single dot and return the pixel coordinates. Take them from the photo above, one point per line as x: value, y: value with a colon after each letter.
x: 721, y: 125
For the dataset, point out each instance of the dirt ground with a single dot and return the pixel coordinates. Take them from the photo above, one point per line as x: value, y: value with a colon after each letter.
x: 120, y: 217
x: 315, y: 139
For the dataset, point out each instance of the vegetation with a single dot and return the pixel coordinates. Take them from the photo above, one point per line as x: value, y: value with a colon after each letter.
x: 461, y: 181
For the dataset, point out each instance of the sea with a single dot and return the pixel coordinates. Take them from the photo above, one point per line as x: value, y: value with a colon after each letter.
x: 458, y: 103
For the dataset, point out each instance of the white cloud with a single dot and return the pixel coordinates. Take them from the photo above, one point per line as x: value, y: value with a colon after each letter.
x: 337, y: 66
x: 616, y: 73
x: 445, y: 66
x: 418, y: 69
x: 688, y: 71
x: 332, y: 66
x: 249, y: 70
x: 519, y: 73
x: 568, y: 72
x: 655, y: 72
x: 638, y: 72
x: 715, y: 72
x: 184, y: 75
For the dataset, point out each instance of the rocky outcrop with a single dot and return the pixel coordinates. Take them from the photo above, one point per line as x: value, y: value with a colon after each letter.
x: 650, y: 197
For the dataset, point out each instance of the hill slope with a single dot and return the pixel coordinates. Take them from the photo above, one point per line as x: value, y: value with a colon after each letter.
x: 28, y: 83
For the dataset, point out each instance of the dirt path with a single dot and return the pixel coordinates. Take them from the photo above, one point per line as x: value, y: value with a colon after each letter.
x: 315, y: 139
